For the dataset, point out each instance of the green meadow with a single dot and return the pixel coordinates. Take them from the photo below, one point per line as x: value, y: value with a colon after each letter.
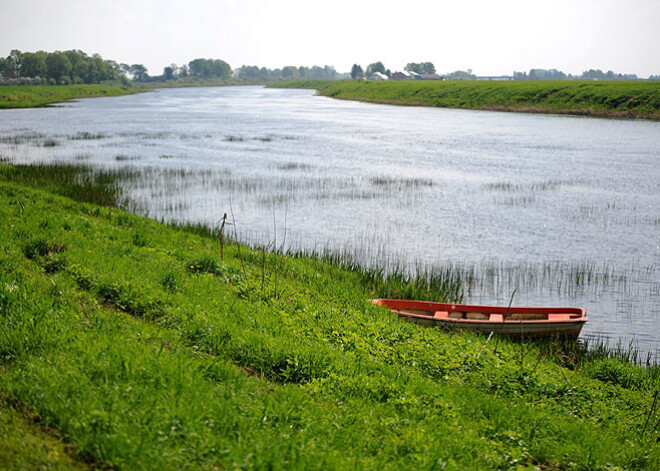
x: 32, y: 96
x: 615, y: 99
x: 129, y: 344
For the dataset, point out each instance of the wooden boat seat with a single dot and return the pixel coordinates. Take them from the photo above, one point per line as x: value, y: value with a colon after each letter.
x: 559, y: 316
x: 456, y: 315
x: 526, y: 316
x: 441, y: 315
x: 476, y: 316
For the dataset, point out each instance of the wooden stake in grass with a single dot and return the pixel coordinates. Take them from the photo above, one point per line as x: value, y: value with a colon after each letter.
x: 522, y: 347
x: 281, y: 260
x: 275, y: 248
x: 222, y: 236
x: 510, y: 303
x: 238, y: 245
x: 504, y: 317
x: 484, y: 347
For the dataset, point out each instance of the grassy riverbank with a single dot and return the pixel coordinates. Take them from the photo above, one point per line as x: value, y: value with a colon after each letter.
x: 637, y: 100
x: 146, y: 346
x: 33, y: 96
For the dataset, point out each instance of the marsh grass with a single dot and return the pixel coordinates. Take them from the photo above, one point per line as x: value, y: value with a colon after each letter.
x: 86, y: 136
x: 29, y: 138
x: 292, y: 166
x: 401, y: 183
x: 547, y: 185
x: 124, y: 157
x: 74, y: 181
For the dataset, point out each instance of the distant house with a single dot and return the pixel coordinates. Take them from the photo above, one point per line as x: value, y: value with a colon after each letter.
x: 499, y: 78
x: 430, y: 77
x: 377, y: 76
x: 405, y: 75
x: 409, y: 75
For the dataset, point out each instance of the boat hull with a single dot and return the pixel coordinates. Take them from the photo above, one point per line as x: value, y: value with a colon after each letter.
x: 520, y: 322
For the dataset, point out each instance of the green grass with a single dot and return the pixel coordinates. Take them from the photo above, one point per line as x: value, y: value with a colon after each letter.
x: 607, y: 99
x: 32, y: 96
x: 143, y: 349
x: 25, y: 444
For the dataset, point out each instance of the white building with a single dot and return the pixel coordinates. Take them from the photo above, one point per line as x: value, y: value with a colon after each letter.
x: 377, y: 76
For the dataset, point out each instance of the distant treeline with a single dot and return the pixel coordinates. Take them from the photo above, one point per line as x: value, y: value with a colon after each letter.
x: 77, y: 67
x: 591, y: 74
x: 195, y: 69
x: 289, y: 72
x: 54, y: 68
x: 429, y: 69
x: 210, y: 68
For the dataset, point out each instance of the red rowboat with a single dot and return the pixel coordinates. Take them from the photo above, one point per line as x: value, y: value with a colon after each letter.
x: 527, y: 322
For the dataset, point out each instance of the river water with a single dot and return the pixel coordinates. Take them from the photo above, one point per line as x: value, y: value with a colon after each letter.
x: 563, y: 209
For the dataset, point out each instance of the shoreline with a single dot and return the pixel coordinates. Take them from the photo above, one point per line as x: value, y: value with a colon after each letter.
x: 43, y: 96
x: 613, y: 100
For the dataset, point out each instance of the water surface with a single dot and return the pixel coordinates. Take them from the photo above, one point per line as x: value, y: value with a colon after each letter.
x: 563, y: 209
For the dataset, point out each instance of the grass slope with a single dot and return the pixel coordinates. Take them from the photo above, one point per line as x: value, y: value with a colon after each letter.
x: 608, y: 99
x: 32, y: 96
x: 24, y: 444
x: 145, y: 349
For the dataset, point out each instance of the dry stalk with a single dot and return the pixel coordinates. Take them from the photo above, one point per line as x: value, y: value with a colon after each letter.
x: 484, y: 346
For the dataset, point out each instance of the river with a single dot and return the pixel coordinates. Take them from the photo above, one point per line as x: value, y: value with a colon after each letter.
x: 563, y: 209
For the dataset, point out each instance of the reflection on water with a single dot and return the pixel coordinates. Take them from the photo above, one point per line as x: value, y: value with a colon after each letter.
x: 564, y: 209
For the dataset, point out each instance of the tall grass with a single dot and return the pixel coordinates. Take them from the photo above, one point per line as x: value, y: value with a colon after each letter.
x: 78, y: 182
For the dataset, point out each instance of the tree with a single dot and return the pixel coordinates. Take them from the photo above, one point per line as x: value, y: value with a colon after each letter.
x: 428, y: 68
x: 289, y: 71
x: 168, y: 72
x: 139, y: 72
x: 197, y: 67
x: 33, y: 64
x: 461, y: 75
x: 209, y: 68
x: 420, y: 67
x: 59, y: 67
x: 375, y: 67
x: 356, y: 72
x: 13, y: 64
x: 219, y: 68
x: 97, y: 70
x: 79, y: 66
x: 114, y: 71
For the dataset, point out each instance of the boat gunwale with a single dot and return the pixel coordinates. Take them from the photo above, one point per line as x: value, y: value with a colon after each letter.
x: 577, y: 315
x: 489, y: 322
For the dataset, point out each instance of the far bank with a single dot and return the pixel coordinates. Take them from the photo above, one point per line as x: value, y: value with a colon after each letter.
x: 611, y: 99
x: 34, y: 96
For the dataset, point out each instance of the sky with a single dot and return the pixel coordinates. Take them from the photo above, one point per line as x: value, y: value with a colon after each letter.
x: 490, y: 37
